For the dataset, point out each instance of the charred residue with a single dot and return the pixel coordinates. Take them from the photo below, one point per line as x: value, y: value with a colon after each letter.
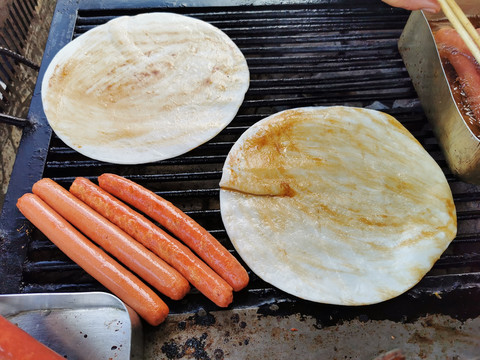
x: 192, y: 347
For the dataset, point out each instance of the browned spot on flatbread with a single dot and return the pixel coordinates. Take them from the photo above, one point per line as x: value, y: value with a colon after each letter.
x: 265, y: 159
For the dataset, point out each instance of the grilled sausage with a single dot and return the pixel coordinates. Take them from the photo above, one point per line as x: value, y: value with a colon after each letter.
x: 168, y: 248
x: 110, y: 237
x: 179, y: 224
x: 93, y: 260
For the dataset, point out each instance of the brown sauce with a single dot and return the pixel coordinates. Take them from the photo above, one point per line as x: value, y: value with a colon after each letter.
x: 455, y: 85
x: 461, y: 99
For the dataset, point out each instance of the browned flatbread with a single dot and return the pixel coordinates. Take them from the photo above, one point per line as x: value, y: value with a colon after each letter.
x: 336, y: 205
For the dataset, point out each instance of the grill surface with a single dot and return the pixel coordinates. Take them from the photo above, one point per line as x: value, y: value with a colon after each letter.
x: 331, y: 52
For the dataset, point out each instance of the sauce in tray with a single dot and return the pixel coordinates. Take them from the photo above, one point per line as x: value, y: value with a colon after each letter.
x: 461, y: 98
x: 457, y: 86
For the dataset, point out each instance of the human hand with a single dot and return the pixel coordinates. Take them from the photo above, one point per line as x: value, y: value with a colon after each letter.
x: 427, y: 5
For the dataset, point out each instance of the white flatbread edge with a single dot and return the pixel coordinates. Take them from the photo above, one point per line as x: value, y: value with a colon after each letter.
x: 122, y: 154
x: 304, y: 271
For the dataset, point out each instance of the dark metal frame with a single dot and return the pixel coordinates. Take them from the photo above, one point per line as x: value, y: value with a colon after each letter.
x: 31, y: 156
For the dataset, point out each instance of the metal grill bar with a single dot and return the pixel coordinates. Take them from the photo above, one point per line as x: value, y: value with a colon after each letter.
x: 298, y: 55
x: 333, y: 66
x: 14, y: 25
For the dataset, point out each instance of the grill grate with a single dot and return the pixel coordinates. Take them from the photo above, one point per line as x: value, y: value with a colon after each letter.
x: 298, y: 55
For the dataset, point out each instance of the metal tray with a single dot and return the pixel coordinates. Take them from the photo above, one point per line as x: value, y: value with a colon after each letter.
x: 93, y: 325
x: 420, y: 55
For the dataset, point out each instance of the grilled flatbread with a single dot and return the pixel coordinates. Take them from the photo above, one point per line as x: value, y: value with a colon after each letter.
x: 144, y: 88
x: 336, y: 205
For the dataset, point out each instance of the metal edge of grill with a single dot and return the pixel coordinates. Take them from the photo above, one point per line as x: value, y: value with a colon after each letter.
x: 455, y: 275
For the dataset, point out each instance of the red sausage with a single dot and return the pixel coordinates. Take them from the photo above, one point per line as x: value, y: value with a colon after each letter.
x: 110, y: 237
x: 452, y: 47
x: 93, y: 260
x: 448, y: 37
x: 16, y: 344
x: 179, y: 224
x: 168, y: 248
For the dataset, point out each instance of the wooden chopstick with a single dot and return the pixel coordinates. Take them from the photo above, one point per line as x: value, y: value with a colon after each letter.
x: 464, y: 27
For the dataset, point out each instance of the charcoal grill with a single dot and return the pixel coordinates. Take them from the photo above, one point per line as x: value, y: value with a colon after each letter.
x: 324, y: 52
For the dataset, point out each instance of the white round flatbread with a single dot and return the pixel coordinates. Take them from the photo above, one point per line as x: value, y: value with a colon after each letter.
x: 336, y: 205
x: 144, y: 88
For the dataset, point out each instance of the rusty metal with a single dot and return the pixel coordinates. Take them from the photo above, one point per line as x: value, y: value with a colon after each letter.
x: 19, y: 58
x: 248, y: 334
x: 14, y: 120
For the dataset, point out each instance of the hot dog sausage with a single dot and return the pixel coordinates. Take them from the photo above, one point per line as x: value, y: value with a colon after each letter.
x: 16, y: 343
x: 453, y: 48
x: 181, y: 225
x: 168, y: 248
x: 110, y: 237
x: 93, y: 260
